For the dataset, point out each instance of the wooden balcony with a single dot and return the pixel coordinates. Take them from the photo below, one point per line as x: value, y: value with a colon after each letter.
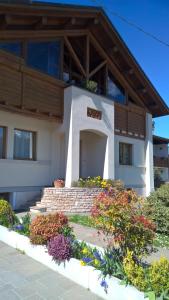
x: 29, y: 92
x: 161, y: 162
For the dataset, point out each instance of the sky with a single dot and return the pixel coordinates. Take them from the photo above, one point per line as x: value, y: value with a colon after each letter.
x: 153, y: 57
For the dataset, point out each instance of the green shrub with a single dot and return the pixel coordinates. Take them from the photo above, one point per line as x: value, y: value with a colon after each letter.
x: 159, y: 276
x: 43, y: 228
x: 7, y: 216
x: 158, y: 208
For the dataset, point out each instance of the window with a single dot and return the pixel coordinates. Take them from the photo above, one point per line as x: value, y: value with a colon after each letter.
x: 24, y: 144
x: 2, y: 141
x: 115, y: 90
x: 13, y: 47
x: 45, y: 56
x: 125, y: 154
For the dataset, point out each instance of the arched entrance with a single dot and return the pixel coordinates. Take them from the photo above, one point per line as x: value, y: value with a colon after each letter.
x: 92, y: 153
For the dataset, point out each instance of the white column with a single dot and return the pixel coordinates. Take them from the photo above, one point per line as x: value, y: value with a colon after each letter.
x: 109, y: 167
x: 72, y: 164
x: 149, y: 176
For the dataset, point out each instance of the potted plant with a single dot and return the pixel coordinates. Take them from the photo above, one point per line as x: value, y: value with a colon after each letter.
x: 59, y: 183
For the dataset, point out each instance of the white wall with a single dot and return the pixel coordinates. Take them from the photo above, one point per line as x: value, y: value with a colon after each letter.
x: 19, y: 173
x: 76, y: 101
x: 133, y: 176
x: 160, y: 150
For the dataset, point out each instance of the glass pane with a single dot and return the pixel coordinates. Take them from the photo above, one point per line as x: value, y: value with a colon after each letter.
x: 45, y: 56
x: 23, y: 144
x: 1, y: 142
x: 115, y: 91
x: 125, y: 154
x: 13, y: 47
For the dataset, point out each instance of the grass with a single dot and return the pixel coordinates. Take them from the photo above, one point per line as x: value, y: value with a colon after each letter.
x: 162, y: 241
x: 82, y: 220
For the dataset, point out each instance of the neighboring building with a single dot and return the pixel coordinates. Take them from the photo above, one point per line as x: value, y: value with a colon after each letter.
x: 161, y: 157
x: 73, y: 101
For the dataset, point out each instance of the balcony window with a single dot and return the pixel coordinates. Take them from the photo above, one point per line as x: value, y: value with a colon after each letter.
x: 2, y: 142
x: 115, y: 90
x: 24, y: 144
x: 45, y: 57
x: 125, y: 154
x: 12, y: 47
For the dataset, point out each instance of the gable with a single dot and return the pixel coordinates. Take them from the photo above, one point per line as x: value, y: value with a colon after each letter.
x: 92, y: 45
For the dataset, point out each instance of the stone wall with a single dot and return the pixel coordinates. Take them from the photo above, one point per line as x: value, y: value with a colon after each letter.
x: 73, y: 200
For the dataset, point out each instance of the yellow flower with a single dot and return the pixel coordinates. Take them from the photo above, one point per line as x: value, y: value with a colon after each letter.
x: 96, y: 262
x: 82, y: 263
x: 85, y: 250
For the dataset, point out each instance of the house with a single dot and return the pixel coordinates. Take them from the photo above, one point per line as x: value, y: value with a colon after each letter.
x: 73, y: 101
x: 161, y: 157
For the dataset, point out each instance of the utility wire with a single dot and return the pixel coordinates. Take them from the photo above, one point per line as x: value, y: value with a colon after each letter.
x: 133, y: 25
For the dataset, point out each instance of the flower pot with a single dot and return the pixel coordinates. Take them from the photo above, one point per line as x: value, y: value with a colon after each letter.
x: 58, y: 183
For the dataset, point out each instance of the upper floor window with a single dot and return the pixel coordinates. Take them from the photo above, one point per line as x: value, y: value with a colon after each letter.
x: 45, y: 57
x: 2, y: 141
x: 12, y: 47
x: 125, y: 154
x: 24, y: 144
x: 115, y: 90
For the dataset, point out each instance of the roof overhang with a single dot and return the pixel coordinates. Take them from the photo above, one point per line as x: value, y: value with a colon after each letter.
x: 96, y: 21
x: 157, y: 140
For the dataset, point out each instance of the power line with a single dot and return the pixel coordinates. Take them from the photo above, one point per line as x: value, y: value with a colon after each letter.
x: 134, y: 25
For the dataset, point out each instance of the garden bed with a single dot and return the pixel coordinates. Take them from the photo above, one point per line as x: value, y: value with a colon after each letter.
x: 86, y: 276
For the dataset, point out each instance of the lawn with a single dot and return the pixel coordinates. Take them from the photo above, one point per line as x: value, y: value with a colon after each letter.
x: 160, y: 240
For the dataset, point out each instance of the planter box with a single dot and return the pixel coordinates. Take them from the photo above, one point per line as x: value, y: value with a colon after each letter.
x: 86, y: 276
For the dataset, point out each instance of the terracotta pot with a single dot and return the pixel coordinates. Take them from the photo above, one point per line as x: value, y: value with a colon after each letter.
x: 58, y: 184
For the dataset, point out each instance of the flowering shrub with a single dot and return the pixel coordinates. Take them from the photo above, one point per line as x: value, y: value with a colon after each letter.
x: 59, y: 247
x: 43, y: 228
x: 118, y: 215
x: 94, y: 182
x: 159, y: 276
x: 7, y: 216
x: 23, y: 225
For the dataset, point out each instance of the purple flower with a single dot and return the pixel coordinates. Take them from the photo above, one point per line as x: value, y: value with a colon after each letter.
x: 97, y: 255
x: 19, y: 227
x: 87, y: 260
x: 104, y: 285
x: 59, y: 247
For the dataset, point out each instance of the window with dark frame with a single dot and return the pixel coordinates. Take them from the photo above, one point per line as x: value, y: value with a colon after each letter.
x: 125, y: 154
x: 24, y: 145
x: 2, y: 142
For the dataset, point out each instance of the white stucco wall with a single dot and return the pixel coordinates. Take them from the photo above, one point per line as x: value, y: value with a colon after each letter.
x: 76, y: 102
x: 21, y: 173
x: 160, y: 150
x: 133, y: 176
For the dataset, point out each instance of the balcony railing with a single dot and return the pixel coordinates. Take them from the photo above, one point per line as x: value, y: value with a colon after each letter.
x: 161, y: 162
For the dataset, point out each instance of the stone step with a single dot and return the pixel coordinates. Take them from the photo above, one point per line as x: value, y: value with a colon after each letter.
x: 36, y: 209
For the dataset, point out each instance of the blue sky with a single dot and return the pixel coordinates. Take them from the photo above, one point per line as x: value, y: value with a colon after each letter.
x: 152, y: 16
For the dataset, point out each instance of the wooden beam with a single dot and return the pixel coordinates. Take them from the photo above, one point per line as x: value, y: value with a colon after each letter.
x: 41, y: 23
x: 97, y: 68
x: 87, y: 57
x: 114, y: 69
x: 130, y: 71
x: 74, y: 56
x: 26, y: 34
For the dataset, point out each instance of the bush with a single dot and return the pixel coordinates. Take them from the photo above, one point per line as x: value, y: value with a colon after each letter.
x: 158, y: 208
x: 59, y: 247
x: 23, y: 225
x: 7, y: 216
x: 43, y: 228
x: 159, y: 276
x: 98, y: 182
x: 119, y: 216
